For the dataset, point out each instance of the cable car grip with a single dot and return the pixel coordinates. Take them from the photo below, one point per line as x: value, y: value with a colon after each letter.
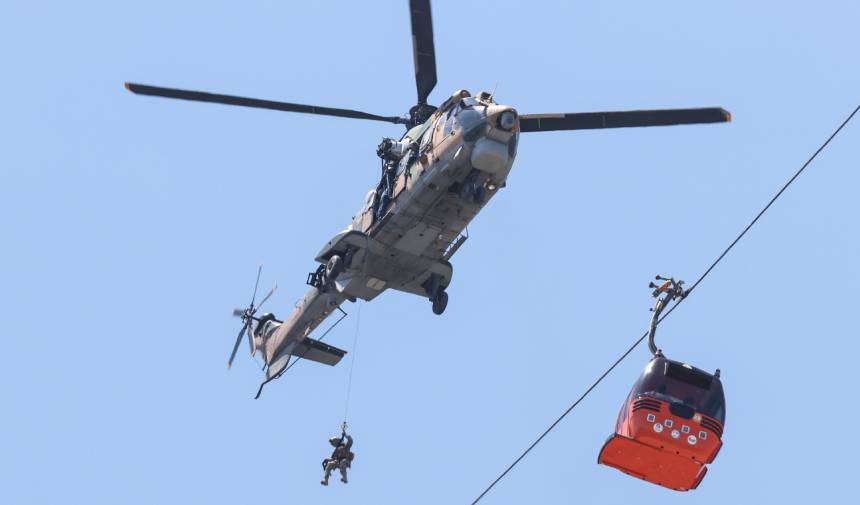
x: 670, y: 289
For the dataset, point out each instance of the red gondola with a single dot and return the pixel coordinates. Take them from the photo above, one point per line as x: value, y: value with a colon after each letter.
x: 671, y: 424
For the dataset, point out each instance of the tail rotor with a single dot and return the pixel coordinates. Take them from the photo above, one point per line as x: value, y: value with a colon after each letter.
x: 248, y: 318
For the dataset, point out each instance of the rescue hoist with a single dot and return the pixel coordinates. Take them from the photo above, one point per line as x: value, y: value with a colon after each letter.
x: 671, y: 424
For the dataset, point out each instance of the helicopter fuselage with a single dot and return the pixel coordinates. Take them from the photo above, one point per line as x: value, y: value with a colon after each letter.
x: 465, y: 152
x: 463, y: 159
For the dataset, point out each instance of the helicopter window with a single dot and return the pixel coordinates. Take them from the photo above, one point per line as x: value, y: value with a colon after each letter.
x: 468, y: 114
x: 453, y: 111
x: 425, y: 140
x: 449, y: 120
x: 470, y: 102
x: 368, y: 201
x: 472, y: 120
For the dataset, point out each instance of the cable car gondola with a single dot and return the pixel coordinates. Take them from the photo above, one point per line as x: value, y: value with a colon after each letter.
x: 671, y: 424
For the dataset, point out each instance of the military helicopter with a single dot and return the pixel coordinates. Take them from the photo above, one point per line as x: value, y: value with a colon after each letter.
x: 435, y: 179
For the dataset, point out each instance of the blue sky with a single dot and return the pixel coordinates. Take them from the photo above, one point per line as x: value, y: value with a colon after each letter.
x: 132, y: 226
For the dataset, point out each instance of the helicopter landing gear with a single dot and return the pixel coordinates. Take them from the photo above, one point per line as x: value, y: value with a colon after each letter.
x: 440, y: 302
x: 324, y: 276
x: 438, y: 295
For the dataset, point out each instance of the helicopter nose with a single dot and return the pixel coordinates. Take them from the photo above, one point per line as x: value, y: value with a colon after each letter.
x: 504, y: 126
x: 495, y: 152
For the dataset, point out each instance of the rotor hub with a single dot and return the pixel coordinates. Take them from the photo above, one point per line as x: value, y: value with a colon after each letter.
x: 419, y: 113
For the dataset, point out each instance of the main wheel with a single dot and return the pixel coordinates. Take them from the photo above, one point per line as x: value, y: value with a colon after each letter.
x: 334, y: 267
x: 440, y: 301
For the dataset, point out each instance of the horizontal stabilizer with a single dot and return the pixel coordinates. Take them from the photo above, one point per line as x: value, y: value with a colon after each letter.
x: 315, y: 350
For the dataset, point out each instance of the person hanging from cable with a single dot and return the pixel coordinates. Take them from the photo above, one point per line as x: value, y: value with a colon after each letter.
x: 392, y: 154
x: 341, y: 457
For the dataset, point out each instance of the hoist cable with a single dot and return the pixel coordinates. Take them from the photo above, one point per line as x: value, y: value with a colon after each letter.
x: 352, y: 364
x: 669, y: 311
x: 322, y: 337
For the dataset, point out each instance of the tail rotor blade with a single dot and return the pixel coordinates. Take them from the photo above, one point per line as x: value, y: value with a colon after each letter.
x: 248, y: 318
x: 271, y: 292
x: 236, y: 345
x: 256, y: 284
x: 251, y: 339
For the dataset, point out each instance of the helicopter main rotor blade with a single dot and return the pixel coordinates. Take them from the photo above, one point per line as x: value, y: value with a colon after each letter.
x: 236, y: 345
x: 622, y: 119
x: 200, y: 96
x: 423, y: 51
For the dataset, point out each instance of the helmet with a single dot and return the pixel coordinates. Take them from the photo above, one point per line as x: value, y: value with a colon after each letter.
x: 334, y: 441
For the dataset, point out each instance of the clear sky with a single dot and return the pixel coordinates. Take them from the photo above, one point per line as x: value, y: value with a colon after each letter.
x: 132, y: 226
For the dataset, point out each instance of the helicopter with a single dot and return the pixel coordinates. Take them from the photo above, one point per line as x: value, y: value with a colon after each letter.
x: 435, y: 179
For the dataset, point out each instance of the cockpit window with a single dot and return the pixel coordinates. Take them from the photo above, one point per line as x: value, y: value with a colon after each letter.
x: 449, y: 121
x: 468, y: 114
x: 468, y: 117
x: 470, y: 102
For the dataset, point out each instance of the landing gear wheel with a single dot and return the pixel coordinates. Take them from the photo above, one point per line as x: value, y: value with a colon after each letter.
x: 440, y: 302
x: 334, y: 267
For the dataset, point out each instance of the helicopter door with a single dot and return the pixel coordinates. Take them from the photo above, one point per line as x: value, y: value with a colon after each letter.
x: 364, y: 219
x: 399, y: 185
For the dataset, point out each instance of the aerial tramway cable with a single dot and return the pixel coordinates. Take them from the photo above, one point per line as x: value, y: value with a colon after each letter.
x: 670, y: 310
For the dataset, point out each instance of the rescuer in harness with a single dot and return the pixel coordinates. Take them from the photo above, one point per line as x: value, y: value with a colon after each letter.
x: 391, y: 152
x: 341, y: 457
